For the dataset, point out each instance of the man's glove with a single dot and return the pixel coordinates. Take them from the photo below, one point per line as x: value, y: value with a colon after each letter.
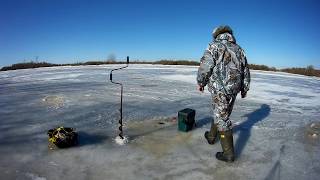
x: 243, y: 94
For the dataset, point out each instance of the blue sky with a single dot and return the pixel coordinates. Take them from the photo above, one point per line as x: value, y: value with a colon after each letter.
x: 274, y: 33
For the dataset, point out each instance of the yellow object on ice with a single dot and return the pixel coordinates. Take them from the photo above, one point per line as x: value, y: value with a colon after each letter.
x: 63, y: 137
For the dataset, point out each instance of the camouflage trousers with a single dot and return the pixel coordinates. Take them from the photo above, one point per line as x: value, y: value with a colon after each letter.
x: 222, y: 106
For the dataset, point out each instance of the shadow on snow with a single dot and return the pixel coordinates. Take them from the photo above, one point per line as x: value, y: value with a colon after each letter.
x: 245, y: 127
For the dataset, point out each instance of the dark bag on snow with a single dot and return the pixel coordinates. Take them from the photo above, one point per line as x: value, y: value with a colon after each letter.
x: 63, y: 137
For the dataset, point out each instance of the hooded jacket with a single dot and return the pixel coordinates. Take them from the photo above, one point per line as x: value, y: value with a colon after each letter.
x: 224, y: 67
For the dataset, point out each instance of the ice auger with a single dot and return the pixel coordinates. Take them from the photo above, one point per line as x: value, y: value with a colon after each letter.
x: 120, y: 121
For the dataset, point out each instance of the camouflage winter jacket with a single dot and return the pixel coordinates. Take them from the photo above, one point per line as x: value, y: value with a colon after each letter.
x: 224, y: 67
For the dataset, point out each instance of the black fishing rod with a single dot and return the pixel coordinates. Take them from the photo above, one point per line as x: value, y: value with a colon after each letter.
x: 120, y: 121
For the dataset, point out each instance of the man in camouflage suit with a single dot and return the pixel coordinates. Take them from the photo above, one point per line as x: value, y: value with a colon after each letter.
x: 224, y: 69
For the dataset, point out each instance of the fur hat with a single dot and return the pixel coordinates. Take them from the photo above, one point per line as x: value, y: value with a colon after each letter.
x: 220, y: 30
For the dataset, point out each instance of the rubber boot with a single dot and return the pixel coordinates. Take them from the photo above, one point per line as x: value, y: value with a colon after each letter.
x: 211, y: 135
x: 226, y: 140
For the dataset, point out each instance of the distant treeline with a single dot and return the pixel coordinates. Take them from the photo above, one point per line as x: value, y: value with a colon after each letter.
x: 180, y: 62
x: 32, y: 64
x: 308, y: 71
x: 27, y: 65
x: 262, y: 67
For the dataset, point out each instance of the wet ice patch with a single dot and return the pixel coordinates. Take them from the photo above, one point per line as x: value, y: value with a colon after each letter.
x: 34, y: 176
x: 150, y: 125
x: 178, y: 77
x: 58, y: 76
x: 54, y: 102
x: 309, y: 135
x: 160, y: 142
x: 148, y: 85
x: 313, y: 130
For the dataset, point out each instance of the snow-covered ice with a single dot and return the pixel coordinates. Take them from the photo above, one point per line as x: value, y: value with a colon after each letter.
x: 276, y: 128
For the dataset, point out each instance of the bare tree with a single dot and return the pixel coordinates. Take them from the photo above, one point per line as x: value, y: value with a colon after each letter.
x: 111, y: 58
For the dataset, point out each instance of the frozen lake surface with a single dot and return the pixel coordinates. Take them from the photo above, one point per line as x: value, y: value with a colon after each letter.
x: 276, y: 128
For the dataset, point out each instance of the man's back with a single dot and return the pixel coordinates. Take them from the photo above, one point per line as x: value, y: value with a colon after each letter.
x: 229, y: 62
x: 226, y: 66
